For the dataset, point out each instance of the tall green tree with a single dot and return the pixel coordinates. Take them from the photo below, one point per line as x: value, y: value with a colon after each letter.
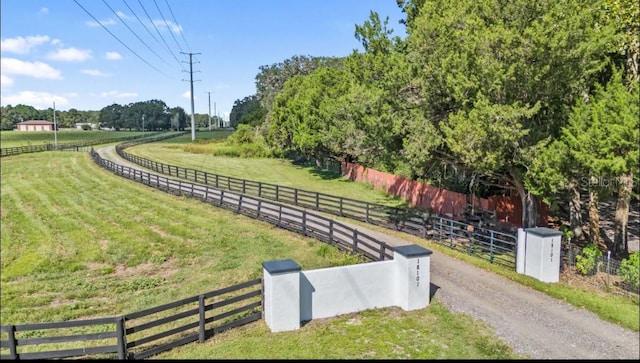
x: 111, y: 116
x: 303, y: 112
x: 602, y: 136
x: 495, y: 80
x: 271, y: 79
x: 247, y: 111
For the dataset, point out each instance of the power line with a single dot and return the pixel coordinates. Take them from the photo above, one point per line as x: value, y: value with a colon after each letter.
x: 161, y: 37
x: 118, y: 39
x: 134, y: 33
x: 176, y: 22
x: 167, y: 24
x: 140, y: 21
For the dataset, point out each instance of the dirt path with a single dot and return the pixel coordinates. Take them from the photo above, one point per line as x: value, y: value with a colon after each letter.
x: 533, y: 323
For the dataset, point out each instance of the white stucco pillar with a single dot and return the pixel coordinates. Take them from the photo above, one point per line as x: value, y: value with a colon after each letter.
x: 521, y: 250
x: 412, y: 276
x: 281, y: 308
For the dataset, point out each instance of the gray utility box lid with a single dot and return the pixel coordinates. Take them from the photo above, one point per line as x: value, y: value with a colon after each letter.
x: 543, y: 232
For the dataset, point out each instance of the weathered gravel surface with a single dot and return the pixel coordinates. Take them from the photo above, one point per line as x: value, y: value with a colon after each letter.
x: 534, y: 324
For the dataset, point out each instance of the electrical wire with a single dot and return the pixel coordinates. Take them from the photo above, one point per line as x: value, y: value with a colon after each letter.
x: 134, y: 33
x: 140, y: 21
x: 118, y: 39
x: 176, y: 22
x: 161, y: 37
x: 167, y: 25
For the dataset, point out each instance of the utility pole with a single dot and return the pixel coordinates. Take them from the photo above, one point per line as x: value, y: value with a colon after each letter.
x: 55, y: 127
x: 209, y: 110
x: 214, y: 112
x: 193, y: 116
x: 143, y: 124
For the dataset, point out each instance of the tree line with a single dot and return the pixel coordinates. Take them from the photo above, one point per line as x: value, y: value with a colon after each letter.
x: 536, y: 98
x: 150, y: 115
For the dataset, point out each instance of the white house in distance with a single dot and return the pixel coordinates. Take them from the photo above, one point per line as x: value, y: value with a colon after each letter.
x: 86, y: 126
x: 35, y: 125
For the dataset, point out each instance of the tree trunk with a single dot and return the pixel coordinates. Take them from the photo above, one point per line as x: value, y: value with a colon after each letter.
x: 594, y: 221
x: 575, y: 209
x: 529, y: 204
x: 620, y: 248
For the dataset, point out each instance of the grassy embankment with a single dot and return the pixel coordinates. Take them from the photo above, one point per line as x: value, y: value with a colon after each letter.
x: 201, y: 155
x: 80, y: 242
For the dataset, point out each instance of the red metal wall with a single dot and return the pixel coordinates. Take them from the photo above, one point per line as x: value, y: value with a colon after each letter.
x: 508, y: 208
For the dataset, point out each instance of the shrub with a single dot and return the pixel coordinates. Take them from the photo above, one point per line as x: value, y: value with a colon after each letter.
x: 630, y: 270
x: 244, y: 134
x: 586, y: 261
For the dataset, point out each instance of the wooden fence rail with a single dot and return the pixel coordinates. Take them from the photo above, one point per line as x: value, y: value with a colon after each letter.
x: 476, y: 239
x: 77, y: 146
x: 284, y: 216
x: 141, y: 334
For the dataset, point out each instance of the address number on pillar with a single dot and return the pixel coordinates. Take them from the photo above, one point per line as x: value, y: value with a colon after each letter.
x: 418, y: 272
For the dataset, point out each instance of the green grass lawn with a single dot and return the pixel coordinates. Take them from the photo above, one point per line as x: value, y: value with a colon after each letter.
x: 26, y: 138
x: 79, y: 242
x: 199, y: 155
x: 183, y: 152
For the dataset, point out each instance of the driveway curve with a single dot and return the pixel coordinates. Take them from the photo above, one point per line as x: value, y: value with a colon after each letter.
x: 532, y: 323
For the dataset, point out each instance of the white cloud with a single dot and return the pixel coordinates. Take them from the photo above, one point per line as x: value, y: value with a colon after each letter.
x: 5, y: 81
x: 93, y: 23
x: 39, y: 100
x: 70, y: 55
x: 30, y: 69
x: 113, y: 56
x: 118, y: 94
x: 174, y: 27
x: 95, y: 73
x: 56, y: 42
x: 122, y: 15
x: 44, y: 10
x: 187, y: 94
x: 22, y: 45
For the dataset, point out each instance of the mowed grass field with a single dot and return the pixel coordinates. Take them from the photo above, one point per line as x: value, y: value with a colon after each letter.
x: 199, y: 155
x: 26, y: 138
x: 79, y: 242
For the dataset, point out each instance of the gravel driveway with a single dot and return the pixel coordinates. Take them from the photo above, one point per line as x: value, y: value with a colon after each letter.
x: 533, y: 323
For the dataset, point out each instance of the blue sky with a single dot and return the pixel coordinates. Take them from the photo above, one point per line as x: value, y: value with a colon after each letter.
x: 54, y: 51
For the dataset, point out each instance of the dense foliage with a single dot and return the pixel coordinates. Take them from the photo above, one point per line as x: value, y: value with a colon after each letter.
x: 630, y: 270
x: 503, y: 93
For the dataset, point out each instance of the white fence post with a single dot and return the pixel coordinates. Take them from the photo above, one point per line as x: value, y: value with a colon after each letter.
x: 281, y: 295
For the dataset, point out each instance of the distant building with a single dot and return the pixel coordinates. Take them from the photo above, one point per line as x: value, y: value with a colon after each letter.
x: 35, y: 125
x: 86, y: 126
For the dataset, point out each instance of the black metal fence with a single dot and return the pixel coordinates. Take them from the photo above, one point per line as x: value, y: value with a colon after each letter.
x: 474, y: 238
x: 141, y: 334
